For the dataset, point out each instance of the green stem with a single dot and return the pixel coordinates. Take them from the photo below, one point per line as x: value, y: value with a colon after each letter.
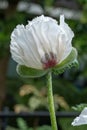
x: 51, y: 102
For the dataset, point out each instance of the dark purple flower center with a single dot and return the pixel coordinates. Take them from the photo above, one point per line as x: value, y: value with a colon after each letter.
x: 49, y: 60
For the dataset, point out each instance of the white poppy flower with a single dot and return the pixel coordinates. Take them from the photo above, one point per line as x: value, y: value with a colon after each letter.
x: 81, y: 119
x: 42, y: 44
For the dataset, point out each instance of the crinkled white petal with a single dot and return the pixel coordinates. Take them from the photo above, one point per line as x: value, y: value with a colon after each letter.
x: 65, y: 39
x: 66, y: 29
x: 44, y: 31
x: 81, y: 119
x: 22, y: 50
x: 41, y: 18
x: 42, y: 35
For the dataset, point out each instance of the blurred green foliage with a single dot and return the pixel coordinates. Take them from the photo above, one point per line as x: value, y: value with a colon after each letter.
x: 79, y: 107
x: 22, y: 125
x: 83, y: 4
x: 6, y: 27
x: 65, y: 124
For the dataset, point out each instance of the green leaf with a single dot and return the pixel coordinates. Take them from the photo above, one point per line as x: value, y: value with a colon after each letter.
x: 44, y: 127
x: 30, y: 72
x: 22, y: 124
x: 69, y: 62
x: 79, y: 107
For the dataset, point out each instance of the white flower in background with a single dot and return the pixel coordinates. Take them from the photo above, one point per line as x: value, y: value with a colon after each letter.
x: 81, y: 119
x: 42, y: 43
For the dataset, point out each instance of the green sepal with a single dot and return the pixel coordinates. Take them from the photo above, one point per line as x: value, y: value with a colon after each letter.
x: 69, y: 62
x: 30, y: 72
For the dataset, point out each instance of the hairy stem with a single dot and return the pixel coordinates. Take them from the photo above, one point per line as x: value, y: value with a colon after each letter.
x: 51, y: 102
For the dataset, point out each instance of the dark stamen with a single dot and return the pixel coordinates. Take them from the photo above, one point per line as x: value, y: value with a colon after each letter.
x: 49, y: 60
